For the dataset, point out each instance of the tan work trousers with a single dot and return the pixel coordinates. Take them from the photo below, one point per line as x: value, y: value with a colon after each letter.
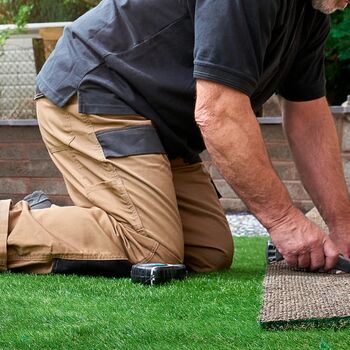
x: 141, y: 208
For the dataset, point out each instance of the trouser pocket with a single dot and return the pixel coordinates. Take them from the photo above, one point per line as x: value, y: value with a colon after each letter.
x: 130, y: 141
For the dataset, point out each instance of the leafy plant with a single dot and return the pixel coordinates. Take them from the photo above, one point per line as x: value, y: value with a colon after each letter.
x: 24, y: 11
x: 14, y: 13
x: 89, y: 3
x: 340, y: 35
x: 20, y: 12
x: 338, y: 58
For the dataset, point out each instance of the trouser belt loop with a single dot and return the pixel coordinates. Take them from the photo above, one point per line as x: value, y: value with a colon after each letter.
x: 4, y: 226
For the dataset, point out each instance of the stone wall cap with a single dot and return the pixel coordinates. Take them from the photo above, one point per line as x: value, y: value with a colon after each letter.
x: 33, y: 27
x: 263, y: 120
x: 18, y: 122
x: 340, y: 109
x: 270, y: 120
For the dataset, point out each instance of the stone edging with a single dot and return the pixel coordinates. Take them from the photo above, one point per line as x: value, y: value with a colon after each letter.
x: 18, y: 122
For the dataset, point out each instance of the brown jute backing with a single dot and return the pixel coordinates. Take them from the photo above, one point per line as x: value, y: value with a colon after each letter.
x: 292, y: 296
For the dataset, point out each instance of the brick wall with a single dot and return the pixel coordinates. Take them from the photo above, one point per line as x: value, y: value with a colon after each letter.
x: 283, y: 163
x: 25, y: 165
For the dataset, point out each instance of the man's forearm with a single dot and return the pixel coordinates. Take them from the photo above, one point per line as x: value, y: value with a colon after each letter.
x: 314, y: 143
x: 234, y: 141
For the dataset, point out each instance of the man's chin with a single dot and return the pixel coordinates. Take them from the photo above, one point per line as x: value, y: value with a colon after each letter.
x: 329, y: 11
x: 326, y: 8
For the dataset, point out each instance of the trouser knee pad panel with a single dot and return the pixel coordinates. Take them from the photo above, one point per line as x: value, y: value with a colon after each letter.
x: 106, y: 268
x: 132, y: 141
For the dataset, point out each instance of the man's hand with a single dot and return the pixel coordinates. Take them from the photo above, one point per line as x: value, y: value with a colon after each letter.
x: 340, y: 235
x: 302, y: 243
x: 314, y: 143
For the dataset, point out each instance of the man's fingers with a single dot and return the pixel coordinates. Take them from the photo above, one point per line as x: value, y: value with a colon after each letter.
x: 331, y: 253
x: 346, y: 252
x: 304, y: 261
x: 292, y: 260
x: 317, y: 260
x: 325, y: 258
x: 331, y: 262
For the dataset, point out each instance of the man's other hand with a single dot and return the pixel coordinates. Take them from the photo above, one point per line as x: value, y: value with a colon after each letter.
x: 340, y: 234
x: 302, y: 243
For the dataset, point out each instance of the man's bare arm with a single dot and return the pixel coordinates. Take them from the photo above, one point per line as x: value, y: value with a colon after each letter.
x: 313, y: 140
x: 233, y: 139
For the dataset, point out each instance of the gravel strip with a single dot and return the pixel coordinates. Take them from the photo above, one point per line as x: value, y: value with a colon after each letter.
x: 245, y: 224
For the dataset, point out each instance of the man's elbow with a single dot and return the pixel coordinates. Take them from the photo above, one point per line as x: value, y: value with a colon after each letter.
x: 205, y: 116
x: 216, y: 104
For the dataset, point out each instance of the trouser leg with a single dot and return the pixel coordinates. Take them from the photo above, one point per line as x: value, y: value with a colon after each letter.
x: 50, y: 240
x: 127, y: 205
x: 207, y: 237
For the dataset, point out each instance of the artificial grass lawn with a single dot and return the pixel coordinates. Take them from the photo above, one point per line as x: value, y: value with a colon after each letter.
x: 208, y: 311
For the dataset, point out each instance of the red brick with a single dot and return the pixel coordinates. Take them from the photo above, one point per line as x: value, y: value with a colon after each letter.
x: 36, y: 151
x: 11, y: 151
x: 27, y: 151
x: 61, y: 200
x: 51, y: 186
x: 35, y: 168
x: 16, y: 185
x: 19, y: 133
x: 14, y: 197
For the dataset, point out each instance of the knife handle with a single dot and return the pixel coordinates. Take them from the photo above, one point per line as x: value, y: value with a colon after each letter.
x: 343, y: 264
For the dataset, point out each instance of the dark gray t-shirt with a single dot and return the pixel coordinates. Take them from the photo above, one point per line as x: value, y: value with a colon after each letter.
x: 143, y: 56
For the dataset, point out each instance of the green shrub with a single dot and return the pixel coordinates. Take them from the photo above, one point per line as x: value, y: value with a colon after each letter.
x: 43, y: 10
x: 14, y: 11
x: 338, y: 58
x: 21, y: 12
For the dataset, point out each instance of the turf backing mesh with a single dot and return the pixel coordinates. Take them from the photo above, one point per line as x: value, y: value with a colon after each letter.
x: 297, y: 297
x: 293, y: 297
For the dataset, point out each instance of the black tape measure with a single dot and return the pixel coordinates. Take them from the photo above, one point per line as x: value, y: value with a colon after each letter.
x: 158, y: 273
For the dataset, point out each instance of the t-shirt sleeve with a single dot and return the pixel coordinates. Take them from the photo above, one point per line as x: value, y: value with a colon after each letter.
x: 231, y: 38
x: 305, y: 81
